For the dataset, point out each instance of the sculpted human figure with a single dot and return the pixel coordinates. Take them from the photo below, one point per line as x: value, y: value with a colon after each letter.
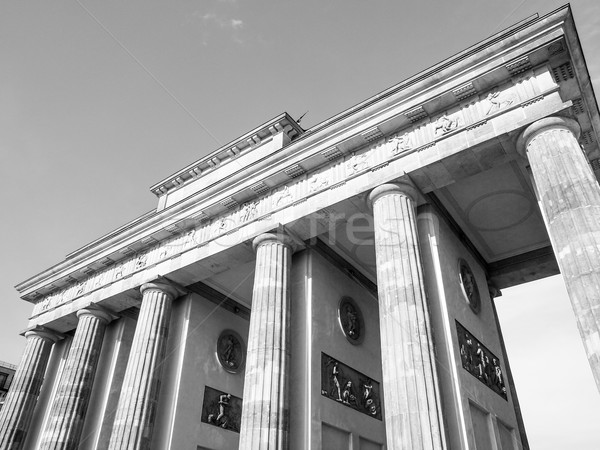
x: 222, y: 418
x: 335, y: 373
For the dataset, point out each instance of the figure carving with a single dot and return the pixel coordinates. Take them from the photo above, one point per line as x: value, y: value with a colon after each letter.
x: 249, y: 211
x: 230, y: 351
x: 400, y: 143
x: 222, y: 418
x: 498, y: 100
x: 445, y: 124
x: 480, y: 362
x: 318, y: 181
x: 349, y: 387
x: 357, y: 163
x: 282, y: 196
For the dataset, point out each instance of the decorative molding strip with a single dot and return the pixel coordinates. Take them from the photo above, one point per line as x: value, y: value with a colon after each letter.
x: 149, y: 240
x: 465, y: 91
x: 294, y: 171
x: 587, y: 138
x: 107, y: 262
x: 229, y: 203
x: 415, y: 114
x: 332, y: 153
x: 372, y: 134
x: 259, y: 188
x: 563, y: 72
x: 518, y: 65
x: 127, y: 251
x: 578, y: 106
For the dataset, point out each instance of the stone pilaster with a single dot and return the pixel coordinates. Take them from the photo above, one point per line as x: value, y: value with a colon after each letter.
x: 265, y: 411
x: 67, y: 415
x: 136, y: 410
x: 22, y: 396
x: 570, y: 199
x: 411, y: 397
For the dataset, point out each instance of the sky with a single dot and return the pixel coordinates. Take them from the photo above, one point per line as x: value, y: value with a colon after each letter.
x: 100, y: 100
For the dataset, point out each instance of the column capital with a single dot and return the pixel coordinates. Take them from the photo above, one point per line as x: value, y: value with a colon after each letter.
x: 403, y: 188
x: 96, y: 311
x: 43, y: 333
x: 547, y: 123
x: 278, y: 237
x: 161, y: 286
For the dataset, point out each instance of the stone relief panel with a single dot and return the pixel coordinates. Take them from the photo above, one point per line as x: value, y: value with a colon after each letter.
x: 231, y: 351
x: 401, y: 143
x: 468, y: 286
x: 446, y: 123
x: 221, y: 409
x: 350, y: 387
x: 351, y: 320
x: 356, y: 163
x: 480, y: 362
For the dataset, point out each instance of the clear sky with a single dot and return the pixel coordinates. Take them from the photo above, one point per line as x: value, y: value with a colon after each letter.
x: 100, y: 100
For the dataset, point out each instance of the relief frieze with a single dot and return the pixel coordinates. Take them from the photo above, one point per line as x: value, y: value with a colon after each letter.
x: 350, y: 387
x: 420, y: 135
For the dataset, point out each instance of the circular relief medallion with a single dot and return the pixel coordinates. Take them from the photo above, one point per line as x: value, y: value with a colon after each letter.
x: 469, y: 286
x: 351, y: 320
x: 231, y: 351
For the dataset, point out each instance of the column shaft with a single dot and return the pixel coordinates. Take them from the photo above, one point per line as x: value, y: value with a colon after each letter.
x: 22, y: 396
x: 411, y: 398
x: 265, y: 411
x: 63, y: 430
x: 570, y: 198
x: 134, y: 419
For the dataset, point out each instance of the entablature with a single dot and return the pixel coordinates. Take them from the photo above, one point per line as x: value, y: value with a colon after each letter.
x: 484, y: 94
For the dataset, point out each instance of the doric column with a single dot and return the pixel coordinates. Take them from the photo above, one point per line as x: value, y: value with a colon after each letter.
x: 20, y: 402
x: 136, y: 410
x: 570, y: 199
x: 65, y: 423
x: 265, y: 411
x: 411, y: 397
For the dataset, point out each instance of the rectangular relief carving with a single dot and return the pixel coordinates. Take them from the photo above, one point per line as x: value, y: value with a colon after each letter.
x: 221, y: 409
x: 350, y: 387
x: 480, y: 362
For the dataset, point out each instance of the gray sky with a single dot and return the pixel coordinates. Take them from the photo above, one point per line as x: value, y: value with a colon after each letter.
x: 100, y: 100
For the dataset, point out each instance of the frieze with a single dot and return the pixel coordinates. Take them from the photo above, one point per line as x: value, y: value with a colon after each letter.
x: 350, y: 387
x: 480, y: 362
x: 418, y: 137
x: 221, y: 409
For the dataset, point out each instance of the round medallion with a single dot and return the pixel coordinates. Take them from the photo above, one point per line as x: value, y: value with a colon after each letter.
x: 351, y: 320
x: 231, y: 351
x: 469, y: 286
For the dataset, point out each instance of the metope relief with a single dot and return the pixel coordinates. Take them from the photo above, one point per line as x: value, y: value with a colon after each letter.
x: 445, y: 124
x: 480, y: 362
x: 497, y: 100
x: 221, y: 409
x: 349, y: 387
x: 400, y: 143
x: 357, y: 163
x: 351, y: 320
x: 231, y: 351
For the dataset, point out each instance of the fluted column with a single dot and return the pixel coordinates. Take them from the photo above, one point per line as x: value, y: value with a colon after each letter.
x: 22, y: 396
x: 411, y: 397
x: 134, y: 419
x: 570, y: 199
x: 67, y: 415
x: 265, y: 411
